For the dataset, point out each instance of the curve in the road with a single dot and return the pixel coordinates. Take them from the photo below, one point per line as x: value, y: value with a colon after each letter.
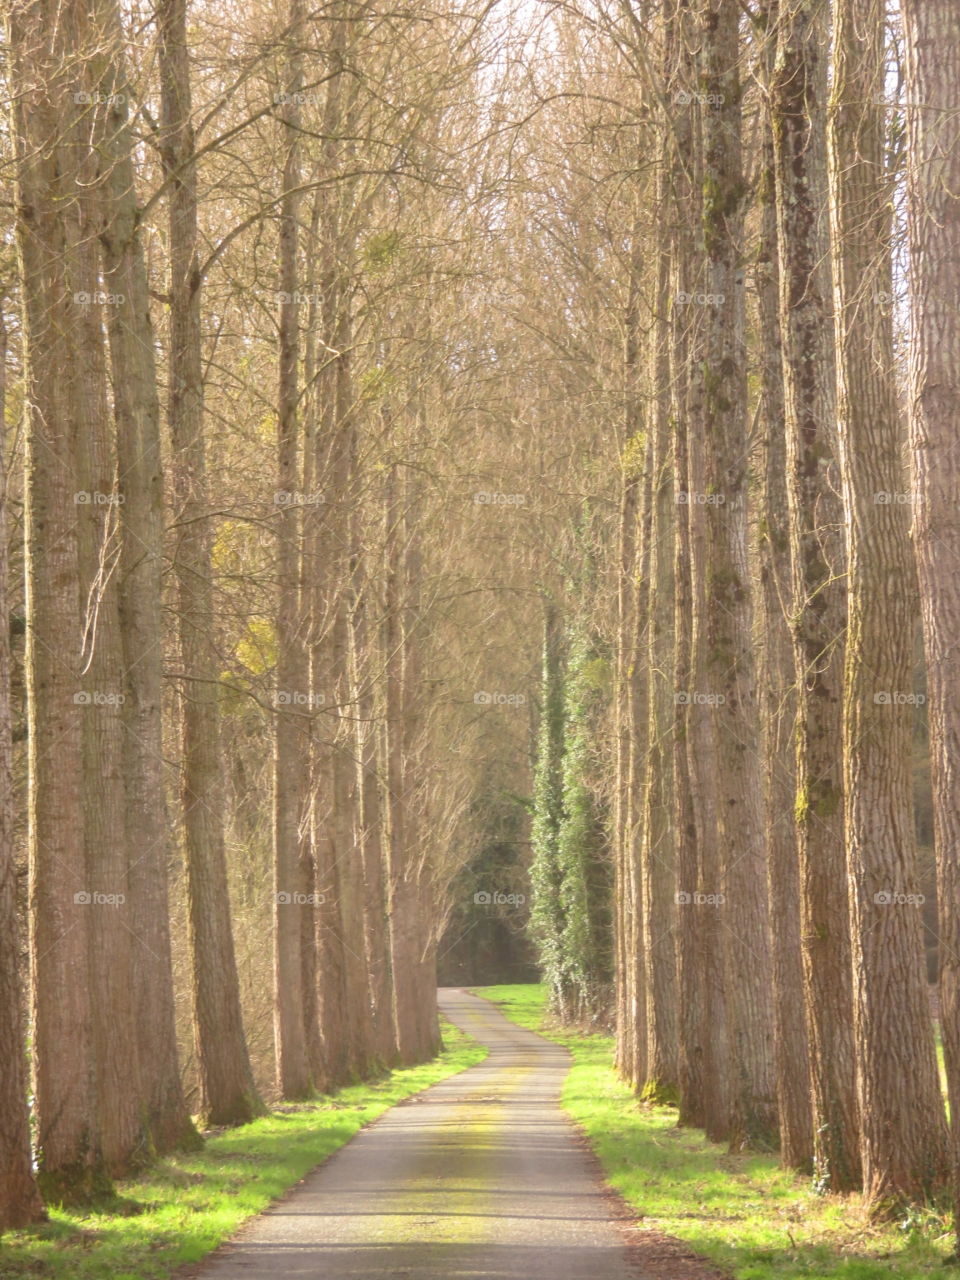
x: 479, y: 1176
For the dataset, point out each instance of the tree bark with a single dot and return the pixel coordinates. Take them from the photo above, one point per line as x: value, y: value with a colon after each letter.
x: 818, y: 592
x: 20, y: 1202
x: 292, y: 714
x: 778, y: 702
x: 140, y: 488
x: 70, y: 1167
x: 228, y: 1093
x: 658, y: 852
x: 904, y: 1141
x: 729, y: 663
x: 932, y: 72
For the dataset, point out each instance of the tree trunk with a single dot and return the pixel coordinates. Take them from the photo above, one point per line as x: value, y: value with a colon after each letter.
x: 292, y: 714
x: 904, y: 1143
x: 658, y: 852
x: 20, y: 1202
x: 140, y: 487
x: 123, y: 1142
x: 370, y: 820
x: 778, y: 703
x: 730, y: 662
x: 694, y: 1032
x: 933, y: 71
x: 817, y: 595
x: 228, y: 1093
x: 629, y: 484
x: 402, y: 912
x: 70, y: 1168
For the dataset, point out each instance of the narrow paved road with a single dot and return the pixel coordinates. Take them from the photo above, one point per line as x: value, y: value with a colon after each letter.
x: 480, y: 1176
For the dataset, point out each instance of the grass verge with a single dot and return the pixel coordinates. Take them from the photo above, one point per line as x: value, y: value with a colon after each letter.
x: 743, y: 1212
x: 184, y: 1207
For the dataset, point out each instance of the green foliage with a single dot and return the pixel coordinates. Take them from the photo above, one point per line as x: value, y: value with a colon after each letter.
x: 581, y: 844
x: 381, y: 251
x: 257, y: 650
x: 187, y: 1205
x: 570, y: 914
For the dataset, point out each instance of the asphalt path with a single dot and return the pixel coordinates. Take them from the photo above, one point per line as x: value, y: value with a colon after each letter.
x: 481, y: 1175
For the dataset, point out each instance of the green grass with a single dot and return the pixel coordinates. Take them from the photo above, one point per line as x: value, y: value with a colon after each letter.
x: 743, y: 1212
x: 184, y: 1207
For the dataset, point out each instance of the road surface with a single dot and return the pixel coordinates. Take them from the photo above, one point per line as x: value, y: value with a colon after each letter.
x: 479, y: 1176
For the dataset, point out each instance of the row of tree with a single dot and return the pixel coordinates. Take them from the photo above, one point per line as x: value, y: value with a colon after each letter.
x: 777, y: 541
x: 226, y: 368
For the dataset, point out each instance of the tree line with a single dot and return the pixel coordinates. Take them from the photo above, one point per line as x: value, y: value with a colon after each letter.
x: 222, y: 820
x: 461, y: 457
x: 787, y: 518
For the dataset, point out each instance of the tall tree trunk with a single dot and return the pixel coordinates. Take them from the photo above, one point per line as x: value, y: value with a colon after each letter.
x: 292, y: 715
x: 428, y: 1022
x: 694, y: 1032
x: 933, y: 72
x: 123, y: 1142
x: 401, y: 877
x: 228, y: 1093
x: 778, y: 703
x: 638, y: 446
x: 730, y: 662
x: 658, y: 852
x: 904, y: 1142
x: 140, y: 487
x: 70, y: 1168
x: 370, y: 818
x: 629, y: 484
x: 818, y: 591
x: 20, y: 1202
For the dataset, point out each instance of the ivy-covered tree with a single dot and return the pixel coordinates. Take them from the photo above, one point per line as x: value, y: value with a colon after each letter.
x: 582, y: 840
x: 570, y: 918
x: 546, y: 908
